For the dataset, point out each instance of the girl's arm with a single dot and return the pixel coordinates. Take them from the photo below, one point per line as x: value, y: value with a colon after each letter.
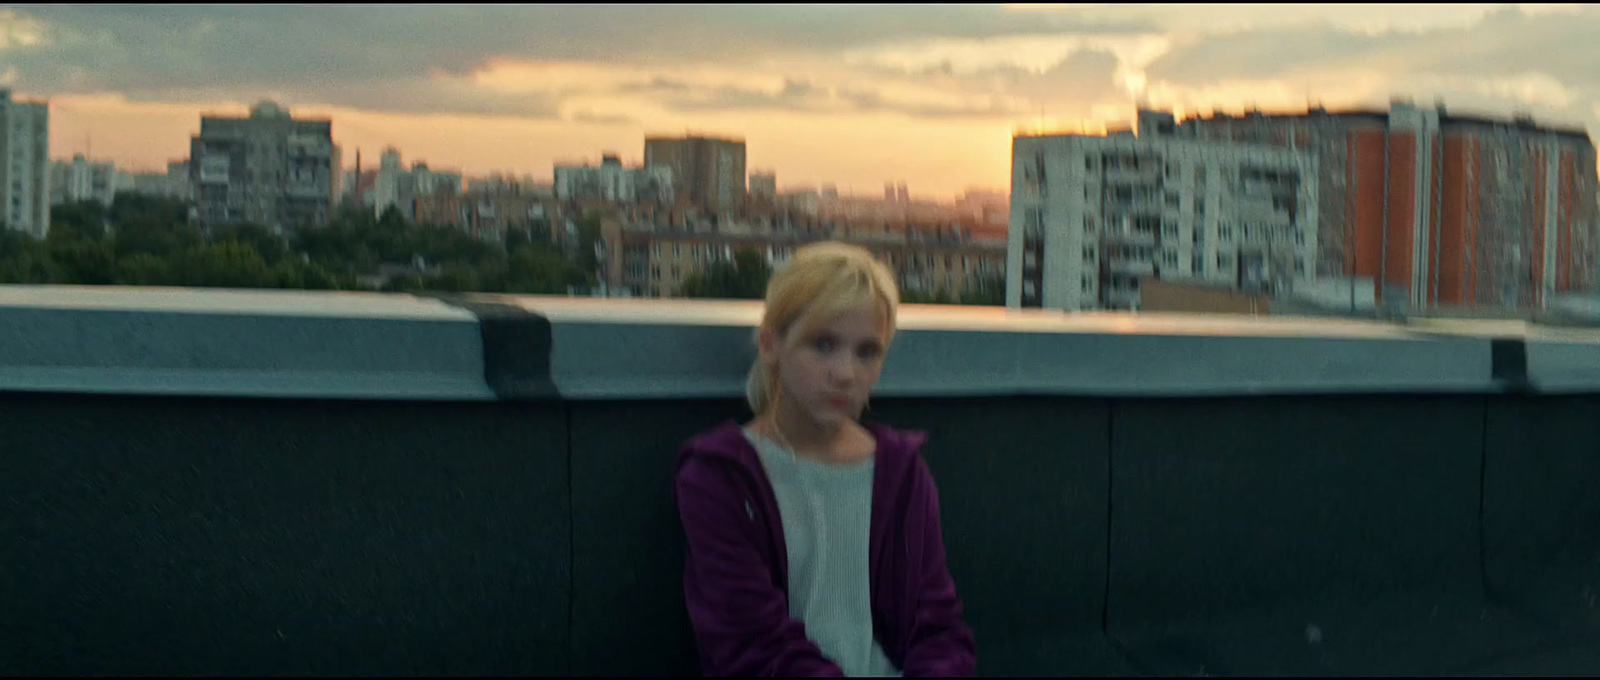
x: 741, y: 619
x: 941, y: 645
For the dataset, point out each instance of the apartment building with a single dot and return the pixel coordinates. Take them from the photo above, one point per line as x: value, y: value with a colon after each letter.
x: 489, y: 216
x: 267, y: 169
x: 24, y: 165
x: 1443, y: 209
x: 1092, y: 216
x: 393, y: 186
x: 82, y: 180
x: 500, y: 183
x: 764, y: 187
x: 707, y: 172
x: 178, y: 184
x: 612, y: 183
x: 147, y: 183
x: 646, y: 260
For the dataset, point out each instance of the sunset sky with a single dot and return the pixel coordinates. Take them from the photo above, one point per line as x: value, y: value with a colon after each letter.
x: 855, y: 95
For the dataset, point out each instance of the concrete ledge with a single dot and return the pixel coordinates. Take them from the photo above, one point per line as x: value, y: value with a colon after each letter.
x: 703, y: 349
x: 1564, y: 366
x: 237, y: 343
x: 486, y: 347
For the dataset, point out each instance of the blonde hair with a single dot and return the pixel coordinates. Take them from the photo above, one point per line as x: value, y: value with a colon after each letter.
x: 821, y: 282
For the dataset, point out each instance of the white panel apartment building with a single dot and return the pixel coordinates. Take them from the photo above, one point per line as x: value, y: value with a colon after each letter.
x: 269, y: 169
x: 398, y: 188
x: 82, y: 180
x: 1092, y: 215
x: 24, y: 165
x: 614, y: 183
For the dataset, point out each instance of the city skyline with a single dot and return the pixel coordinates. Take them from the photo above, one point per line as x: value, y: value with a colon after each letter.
x: 852, y: 96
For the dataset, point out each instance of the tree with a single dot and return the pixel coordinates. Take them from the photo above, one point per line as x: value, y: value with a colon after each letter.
x: 144, y: 269
x: 922, y: 297
x: 79, y: 221
x: 128, y: 206
x: 516, y: 238
x: 270, y: 246
x: 583, y: 250
x: 144, y: 233
x: 991, y: 290
x: 745, y: 278
x: 304, y: 276
x: 391, y: 219
x: 226, y: 265
x: 83, y: 262
x: 454, y: 278
x: 404, y: 283
x: 534, y: 269
x: 24, y: 260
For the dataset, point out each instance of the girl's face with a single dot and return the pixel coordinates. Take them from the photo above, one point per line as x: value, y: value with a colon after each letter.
x: 828, y: 375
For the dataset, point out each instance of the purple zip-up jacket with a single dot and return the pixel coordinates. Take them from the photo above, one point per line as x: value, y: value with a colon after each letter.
x: 737, y: 579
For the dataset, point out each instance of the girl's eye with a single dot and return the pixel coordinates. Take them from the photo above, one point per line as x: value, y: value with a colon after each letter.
x: 824, y: 344
x: 867, y: 353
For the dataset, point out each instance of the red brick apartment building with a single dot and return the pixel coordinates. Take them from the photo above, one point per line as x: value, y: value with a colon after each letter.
x: 1444, y: 210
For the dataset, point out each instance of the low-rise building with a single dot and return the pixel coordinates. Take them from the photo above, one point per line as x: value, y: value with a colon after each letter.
x: 489, y: 216
x: 641, y: 259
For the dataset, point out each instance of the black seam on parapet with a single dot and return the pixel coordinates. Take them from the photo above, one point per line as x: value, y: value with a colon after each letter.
x: 1508, y: 360
x: 517, y: 347
x: 1484, y: 584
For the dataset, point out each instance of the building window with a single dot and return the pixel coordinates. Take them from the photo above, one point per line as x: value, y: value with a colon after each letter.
x: 677, y: 251
x: 1199, y: 264
x: 655, y: 271
x: 1170, y: 259
x: 1225, y: 232
x: 1169, y: 230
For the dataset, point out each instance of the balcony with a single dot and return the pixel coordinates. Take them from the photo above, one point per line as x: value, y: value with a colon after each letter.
x: 275, y: 483
x: 1130, y: 265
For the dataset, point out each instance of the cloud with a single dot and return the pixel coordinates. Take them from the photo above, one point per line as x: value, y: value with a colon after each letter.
x: 1505, y: 59
x: 153, y: 46
x: 1502, y: 42
x: 438, y: 94
x: 939, y: 63
x: 591, y: 118
x: 452, y: 58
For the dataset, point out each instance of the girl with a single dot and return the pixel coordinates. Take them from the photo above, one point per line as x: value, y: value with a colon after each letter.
x: 814, y: 546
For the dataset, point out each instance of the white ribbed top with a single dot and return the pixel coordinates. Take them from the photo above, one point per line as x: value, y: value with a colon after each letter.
x: 827, y: 525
